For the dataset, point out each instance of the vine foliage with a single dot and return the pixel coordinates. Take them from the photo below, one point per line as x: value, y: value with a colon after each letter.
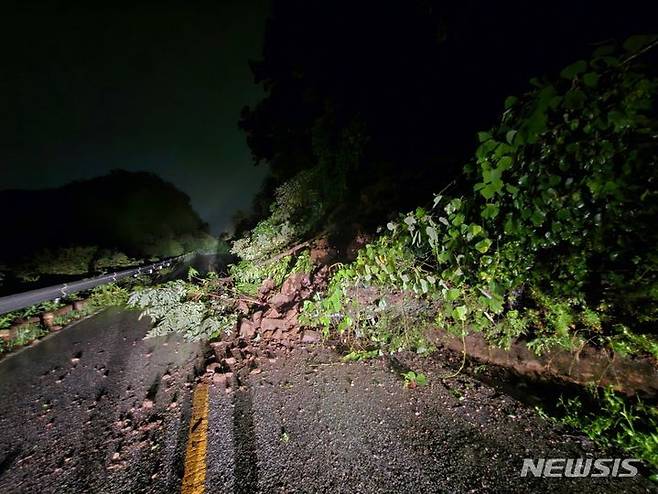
x: 555, y: 239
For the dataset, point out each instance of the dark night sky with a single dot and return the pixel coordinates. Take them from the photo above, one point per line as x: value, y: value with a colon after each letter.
x: 156, y: 88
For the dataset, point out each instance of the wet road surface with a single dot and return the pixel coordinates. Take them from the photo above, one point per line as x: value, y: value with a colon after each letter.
x: 95, y: 408
x: 309, y: 423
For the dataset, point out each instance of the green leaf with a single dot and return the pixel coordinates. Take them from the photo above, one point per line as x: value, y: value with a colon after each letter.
x: 510, y: 101
x: 474, y: 229
x: 511, y: 189
x: 591, y: 79
x: 574, y: 69
x: 460, y: 312
x: 484, y: 136
x: 509, y: 136
x: 490, y: 211
x: 458, y: 219
x: 433, y: 236
x: 638, y: 41
x: 421, y: 379
x: 453, y: 206
x: 453, y: 294
x: 604, y: 50
x: 483, y: 245
x: 537, y: 217
x: 505, y: 163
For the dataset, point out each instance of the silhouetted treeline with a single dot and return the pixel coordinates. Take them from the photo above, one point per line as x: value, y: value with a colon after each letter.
x: 133, y: 212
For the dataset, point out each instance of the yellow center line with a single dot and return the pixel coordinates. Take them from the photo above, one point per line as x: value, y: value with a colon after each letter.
x: 194, y: 480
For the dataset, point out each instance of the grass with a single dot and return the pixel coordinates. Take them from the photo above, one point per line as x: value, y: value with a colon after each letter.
x: 99, y: 298
x: 613, y: 421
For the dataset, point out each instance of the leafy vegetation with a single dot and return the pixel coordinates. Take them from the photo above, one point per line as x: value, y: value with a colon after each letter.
x: 296, y: 211
x: 414, y: 379
x: 555, y: 242
x: 613, y: 420
x: 201, y: 310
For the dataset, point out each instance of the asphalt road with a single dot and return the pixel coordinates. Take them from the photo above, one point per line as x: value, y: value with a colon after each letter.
x: 309, y: 423
x: 16, y: 301
x: 96, y: 409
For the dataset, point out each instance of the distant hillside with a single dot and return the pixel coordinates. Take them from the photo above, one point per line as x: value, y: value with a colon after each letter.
x: 133, y: 212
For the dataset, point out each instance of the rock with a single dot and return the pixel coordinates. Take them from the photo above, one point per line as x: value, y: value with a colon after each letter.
x: 243, y: 307
x: 236, y: 353
x: 271, y: 324
x: 116, y: 457
x: 7, y: 334
x: 294, y: 283
x: 212, y: 368
x: 266, y: 287
x: 47, y: 319
x: 256, y: 371
x: 79, y: 304
x: 256, y: 318
x: 222, y: 379
x: 147, y: 404
x: 271, y: 313
x: 311, y: 336
x: 281, y: 300
x: 219, y: 347
x: 63, y: 310
x: 247, y: 329
x: 229, y: 362
x: 291, y: 317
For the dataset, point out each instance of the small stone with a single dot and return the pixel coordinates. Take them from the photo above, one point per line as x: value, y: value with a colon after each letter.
x: 237, y: 354
x: 271, y: 324
x: 75, y: 360
x: 147, y: 404
x: 230, y: 361
x: 310, y: 336
x: 212, y: 368
x: 116, y: 457
x: 247, y: 329
x: 219, y: 379
x: 219, y: 347
x: 256, y: 371
x: 256, y: 318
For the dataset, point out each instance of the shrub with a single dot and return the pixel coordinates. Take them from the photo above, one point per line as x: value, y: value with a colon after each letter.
x: 557, y: 241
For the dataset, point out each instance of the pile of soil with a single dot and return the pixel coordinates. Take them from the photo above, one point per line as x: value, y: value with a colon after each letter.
x: 268, y: 329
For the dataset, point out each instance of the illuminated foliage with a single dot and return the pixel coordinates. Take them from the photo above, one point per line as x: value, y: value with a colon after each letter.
x: 557, y: 240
